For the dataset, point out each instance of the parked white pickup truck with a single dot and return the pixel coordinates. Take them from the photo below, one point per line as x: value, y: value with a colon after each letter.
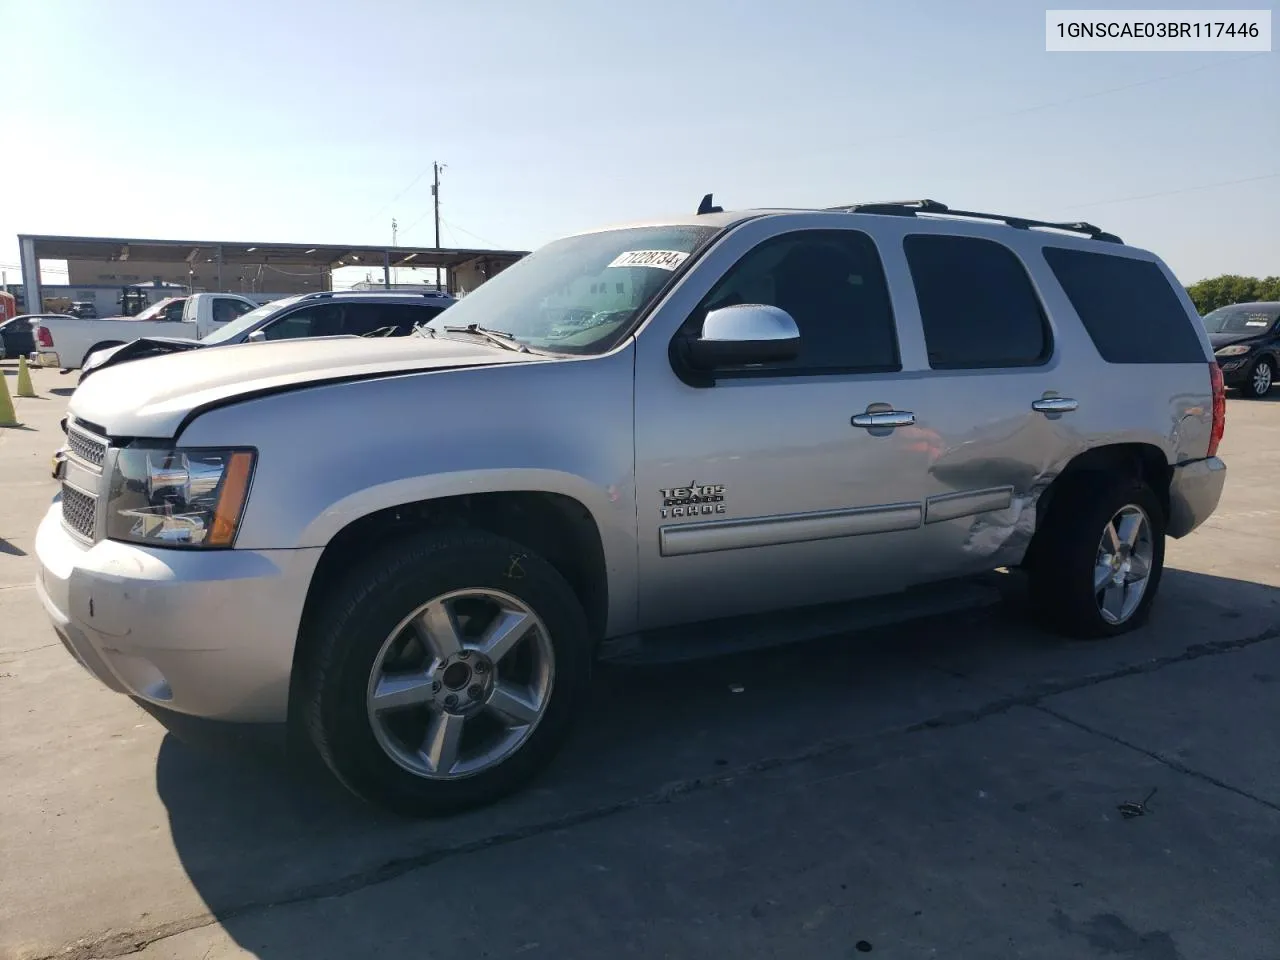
x: 65, y: 342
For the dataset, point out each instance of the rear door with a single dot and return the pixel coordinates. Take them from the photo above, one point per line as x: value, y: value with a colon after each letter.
x: 993, y: 395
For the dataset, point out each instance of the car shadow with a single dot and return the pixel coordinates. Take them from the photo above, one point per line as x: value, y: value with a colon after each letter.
x: 62, y: 391
x: 11, y: 549
x: 255, y: 831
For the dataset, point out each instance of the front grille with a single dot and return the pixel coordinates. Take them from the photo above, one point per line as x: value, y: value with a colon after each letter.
x: 89, y: 449
x: 79, y: 511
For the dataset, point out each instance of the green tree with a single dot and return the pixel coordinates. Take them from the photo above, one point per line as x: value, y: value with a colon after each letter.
x: 1231, y: 288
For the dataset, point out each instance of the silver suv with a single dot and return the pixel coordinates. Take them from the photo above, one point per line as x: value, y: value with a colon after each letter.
x: 731, y: 424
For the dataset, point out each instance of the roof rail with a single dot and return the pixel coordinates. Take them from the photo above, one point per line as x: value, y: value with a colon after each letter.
x: 910, y: 208
x: 429, y: 294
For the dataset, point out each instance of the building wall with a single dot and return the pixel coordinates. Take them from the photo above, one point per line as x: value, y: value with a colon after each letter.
x: 466, y: 277
x: 203, y: 275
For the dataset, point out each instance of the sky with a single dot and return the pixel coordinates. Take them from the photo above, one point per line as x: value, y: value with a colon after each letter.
x: 290, y: 121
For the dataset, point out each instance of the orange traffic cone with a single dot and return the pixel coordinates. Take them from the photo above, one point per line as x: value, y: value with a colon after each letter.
x: 25, y: 389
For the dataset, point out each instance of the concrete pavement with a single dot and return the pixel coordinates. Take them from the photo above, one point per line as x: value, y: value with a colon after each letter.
x: 945, y: 788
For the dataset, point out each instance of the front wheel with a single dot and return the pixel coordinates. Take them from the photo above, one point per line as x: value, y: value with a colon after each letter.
x: 1098, y: 567
x: 1261, y: 377
x: 445, y: 672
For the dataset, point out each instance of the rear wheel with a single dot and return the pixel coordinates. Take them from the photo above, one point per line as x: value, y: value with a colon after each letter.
x: 1100, y: 559
x: 1260, y: 379
x: 446, y: 672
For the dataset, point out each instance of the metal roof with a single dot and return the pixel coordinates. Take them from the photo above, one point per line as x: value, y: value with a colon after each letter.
x: 317, y: 255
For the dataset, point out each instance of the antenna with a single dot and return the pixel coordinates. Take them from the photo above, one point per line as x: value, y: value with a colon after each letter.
x: 706, y: 206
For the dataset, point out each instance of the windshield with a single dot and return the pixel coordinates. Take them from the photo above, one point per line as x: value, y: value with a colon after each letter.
x: 247, y: 321
x: 1241, y: 319
x: 580, y: 294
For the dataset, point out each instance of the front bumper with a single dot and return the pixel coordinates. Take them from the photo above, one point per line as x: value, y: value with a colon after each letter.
x: 1235, y: 370
x: 1194, y: 492
x: 209, y: 634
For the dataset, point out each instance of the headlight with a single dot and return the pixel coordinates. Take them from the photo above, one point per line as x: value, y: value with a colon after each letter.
x: 1235, y: 350
x: 187, y: 498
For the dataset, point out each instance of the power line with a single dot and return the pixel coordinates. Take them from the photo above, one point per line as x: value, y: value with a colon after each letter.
x: 1169, y: 193
x: 1212, y: 64
x: 413, y: 183
x: 1049, y: 104
x: 477, y: 236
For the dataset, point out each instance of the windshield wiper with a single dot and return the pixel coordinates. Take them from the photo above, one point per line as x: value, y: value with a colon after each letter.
x: 500, y: 337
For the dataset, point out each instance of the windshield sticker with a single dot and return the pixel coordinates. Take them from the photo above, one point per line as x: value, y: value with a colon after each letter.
x: 662, y: 259
x: 1257, y: 323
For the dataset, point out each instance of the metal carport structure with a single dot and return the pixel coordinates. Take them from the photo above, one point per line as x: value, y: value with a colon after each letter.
x: 464, y: 268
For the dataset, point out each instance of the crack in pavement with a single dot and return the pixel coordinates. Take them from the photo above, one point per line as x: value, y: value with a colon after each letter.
x: 1160, y: 758
x: 14, y: 653
x: 110, y: 946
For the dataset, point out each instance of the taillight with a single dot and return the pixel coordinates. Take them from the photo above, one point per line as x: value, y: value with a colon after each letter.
x: 44, y: 336
x: 1219, y: 409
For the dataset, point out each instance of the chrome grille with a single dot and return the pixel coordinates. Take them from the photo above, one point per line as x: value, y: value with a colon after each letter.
x: 91, y: 450
x: 79, y: 511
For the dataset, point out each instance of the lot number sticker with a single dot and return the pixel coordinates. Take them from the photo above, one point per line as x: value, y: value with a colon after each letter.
x: 662, y: 259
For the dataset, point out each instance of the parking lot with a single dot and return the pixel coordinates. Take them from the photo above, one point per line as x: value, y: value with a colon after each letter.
x: 950, y: 788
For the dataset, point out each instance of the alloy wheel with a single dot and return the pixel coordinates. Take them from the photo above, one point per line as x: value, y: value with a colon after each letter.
x: 460, y: 684
x: 1124, y: 562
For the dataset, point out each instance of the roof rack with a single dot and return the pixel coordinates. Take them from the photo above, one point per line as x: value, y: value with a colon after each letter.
x: 911, y: 208
x: 429, y: 294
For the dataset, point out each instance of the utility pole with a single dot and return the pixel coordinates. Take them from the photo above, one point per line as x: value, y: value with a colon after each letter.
x: 436, y: 167
x: 394, y: 229
x: 435, y: 194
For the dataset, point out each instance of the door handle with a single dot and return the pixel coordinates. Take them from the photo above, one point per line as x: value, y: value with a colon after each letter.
x: 1055, y: 405
x: 885, y: 418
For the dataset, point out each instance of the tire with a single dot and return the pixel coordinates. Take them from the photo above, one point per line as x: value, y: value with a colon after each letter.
x: 1066, y: 558
x: 373, y: 754
x: 1261, y: 376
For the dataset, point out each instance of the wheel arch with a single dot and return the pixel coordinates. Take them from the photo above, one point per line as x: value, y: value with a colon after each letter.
x: 1143, y: 461
x: 558, y: 527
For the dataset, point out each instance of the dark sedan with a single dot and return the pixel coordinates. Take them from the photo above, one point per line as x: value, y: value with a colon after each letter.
x: 17, y: 337
x: 1246, y: 343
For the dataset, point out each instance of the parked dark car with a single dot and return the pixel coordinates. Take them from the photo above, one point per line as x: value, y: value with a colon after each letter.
x: 345, y: 313
x: 17, y: 337
x: 1246, y: 343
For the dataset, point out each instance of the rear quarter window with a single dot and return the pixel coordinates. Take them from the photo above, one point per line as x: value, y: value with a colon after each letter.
x: 1128, y: 307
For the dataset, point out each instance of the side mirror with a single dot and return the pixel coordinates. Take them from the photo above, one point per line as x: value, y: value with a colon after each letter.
x: 258, y: 336
x: 744, y: 334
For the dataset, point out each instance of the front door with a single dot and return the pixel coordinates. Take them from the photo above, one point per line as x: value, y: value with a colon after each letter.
x: 759, y: 492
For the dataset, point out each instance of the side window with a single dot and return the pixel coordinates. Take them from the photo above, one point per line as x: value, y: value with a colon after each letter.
x: 363, y: 319
x: 173, y: 312
x: 359, y: 319
x: 225, y: 309
x: 977, y: 305
x: 405, y: 316
x: 832, y: 284
x: 1128, y: 307
x: 319, y: 321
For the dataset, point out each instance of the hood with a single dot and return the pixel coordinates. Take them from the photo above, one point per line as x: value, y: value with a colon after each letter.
x: 134, y: 350
x: 1224, y: 339
x: 151, y: 397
